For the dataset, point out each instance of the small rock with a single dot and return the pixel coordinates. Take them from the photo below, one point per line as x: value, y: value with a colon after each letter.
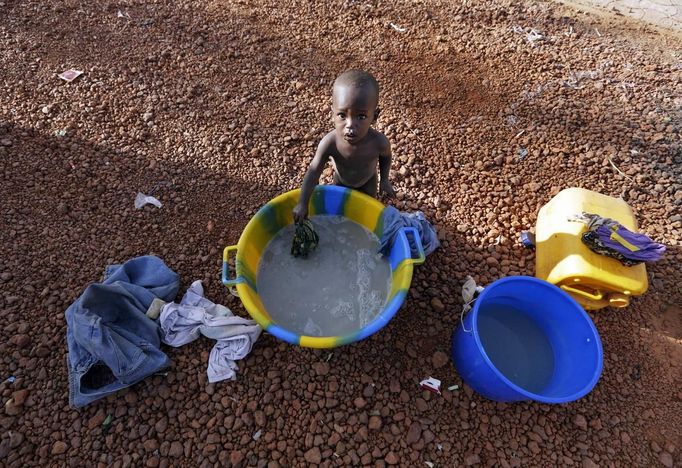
x: 360, y: 402
x: 12, y: 409
x: 394, y: 386
x: 20, y: 341
x: 313, y: 456
x: 414, y: 433
x: 147, y: 116
x: 236, y: 457
x: 176, y: 449
x: 666, y: 459
x: 439, y: 359
x: 161, y: 425
x: 58, y: 448
x: 96, y: 420
x: 321, y: 368
x: 437, y: 305
x: 588, y: 463
x: 492, y: 261
x: 580, y: 421
x: 391, y: 458
x: 374, y: 423
x: 20, y: 396
x: 150, y: 445
x: 472, y: 459
x: 15, y: 439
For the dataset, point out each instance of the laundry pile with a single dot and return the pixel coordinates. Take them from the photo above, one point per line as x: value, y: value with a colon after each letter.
x: 113, y: 343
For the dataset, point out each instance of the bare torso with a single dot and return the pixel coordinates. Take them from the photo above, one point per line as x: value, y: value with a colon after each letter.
x: 356, y: 164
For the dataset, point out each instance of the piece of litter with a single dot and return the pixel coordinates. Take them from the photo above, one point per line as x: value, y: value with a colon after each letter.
x: 397, y: 28
x: 329, y: 356
x: 439, y: 446
x: 618, y: 170
x: 429, y: 464
x: 11, y: 379
x: 597, y: 31
x: 527, y: 239
x: 257, y: 434
x: 470, y: 292
x: 162, y: 374
x: 70, y: 75
x: 534, y: 35
x: 431, y: 384
x: 107, y: 423
x: 60, y: 133
x: 141, y: 200
x: 523, y: 152
x: 120, y: 14
x: 453, y: 387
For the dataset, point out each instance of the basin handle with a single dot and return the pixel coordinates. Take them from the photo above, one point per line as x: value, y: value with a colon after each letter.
x: 597, y: 296
x: 230, y: 283
x: 415, y: 245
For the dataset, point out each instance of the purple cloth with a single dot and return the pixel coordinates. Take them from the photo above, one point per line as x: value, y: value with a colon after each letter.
x: 609, y: 237
x: 647, y: 249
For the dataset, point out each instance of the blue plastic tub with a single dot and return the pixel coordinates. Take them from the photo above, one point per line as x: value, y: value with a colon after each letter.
x: 526, y: 339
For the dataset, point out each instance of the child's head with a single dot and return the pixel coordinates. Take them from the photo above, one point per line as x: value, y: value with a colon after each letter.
x: 355, y: 99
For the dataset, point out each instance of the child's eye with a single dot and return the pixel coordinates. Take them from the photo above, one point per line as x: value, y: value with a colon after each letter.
x: 341, y: 115
x: 362, y: 116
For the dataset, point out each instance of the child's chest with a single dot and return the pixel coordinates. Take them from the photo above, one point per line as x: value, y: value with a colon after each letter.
x: 362, y: 154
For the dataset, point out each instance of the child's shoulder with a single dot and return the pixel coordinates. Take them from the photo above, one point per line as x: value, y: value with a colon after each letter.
x: 328, y: 141
x: 379, y: 138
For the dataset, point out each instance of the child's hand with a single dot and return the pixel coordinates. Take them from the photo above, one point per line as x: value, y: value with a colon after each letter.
x: 386, y: 188
x: 300, y: 213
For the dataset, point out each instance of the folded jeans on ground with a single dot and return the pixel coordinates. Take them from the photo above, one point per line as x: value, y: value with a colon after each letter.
x: 112, y: 344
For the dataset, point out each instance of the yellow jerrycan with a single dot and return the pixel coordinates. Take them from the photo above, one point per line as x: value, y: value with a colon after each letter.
x: 594, y: 281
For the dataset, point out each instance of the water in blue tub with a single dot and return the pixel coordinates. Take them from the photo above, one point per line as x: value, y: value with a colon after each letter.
x: 517, y: 346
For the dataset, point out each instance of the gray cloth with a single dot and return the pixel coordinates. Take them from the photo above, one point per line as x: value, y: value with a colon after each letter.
x: 195, y: 315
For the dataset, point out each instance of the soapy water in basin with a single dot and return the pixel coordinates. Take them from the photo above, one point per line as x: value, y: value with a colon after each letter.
x: 338, y: 289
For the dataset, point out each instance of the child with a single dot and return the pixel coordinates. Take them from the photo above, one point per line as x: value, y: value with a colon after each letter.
x: 353, y: 145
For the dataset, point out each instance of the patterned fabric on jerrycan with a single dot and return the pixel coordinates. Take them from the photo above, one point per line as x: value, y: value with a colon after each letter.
x: 608, y: 237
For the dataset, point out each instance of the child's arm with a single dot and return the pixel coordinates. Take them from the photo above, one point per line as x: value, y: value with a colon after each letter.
x: 312, y: 176
x: 385, y: 186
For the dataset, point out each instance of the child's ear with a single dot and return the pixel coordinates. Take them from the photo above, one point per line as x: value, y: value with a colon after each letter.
x: 377, y: 111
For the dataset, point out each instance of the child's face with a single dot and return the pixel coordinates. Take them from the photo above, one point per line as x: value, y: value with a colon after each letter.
x: 353, y: 109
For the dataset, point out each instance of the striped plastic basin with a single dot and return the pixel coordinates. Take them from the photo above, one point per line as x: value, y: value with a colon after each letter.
x: 326, y: 200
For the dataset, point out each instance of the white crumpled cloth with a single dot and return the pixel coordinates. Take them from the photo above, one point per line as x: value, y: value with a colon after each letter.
x: 195, y: 315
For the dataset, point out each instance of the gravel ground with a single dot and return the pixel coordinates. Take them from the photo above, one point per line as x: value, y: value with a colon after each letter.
x: 217, y: 106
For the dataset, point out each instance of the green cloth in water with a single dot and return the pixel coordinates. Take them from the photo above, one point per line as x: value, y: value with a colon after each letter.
x: 305, y: 239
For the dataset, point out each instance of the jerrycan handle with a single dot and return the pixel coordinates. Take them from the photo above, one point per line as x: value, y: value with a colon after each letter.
x: 597, y: 296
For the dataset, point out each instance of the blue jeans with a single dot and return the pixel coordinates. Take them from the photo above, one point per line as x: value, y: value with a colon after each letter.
x: 112, y: 344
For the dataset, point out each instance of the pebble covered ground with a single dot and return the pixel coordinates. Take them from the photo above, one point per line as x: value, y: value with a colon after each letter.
x: 215, y: 107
